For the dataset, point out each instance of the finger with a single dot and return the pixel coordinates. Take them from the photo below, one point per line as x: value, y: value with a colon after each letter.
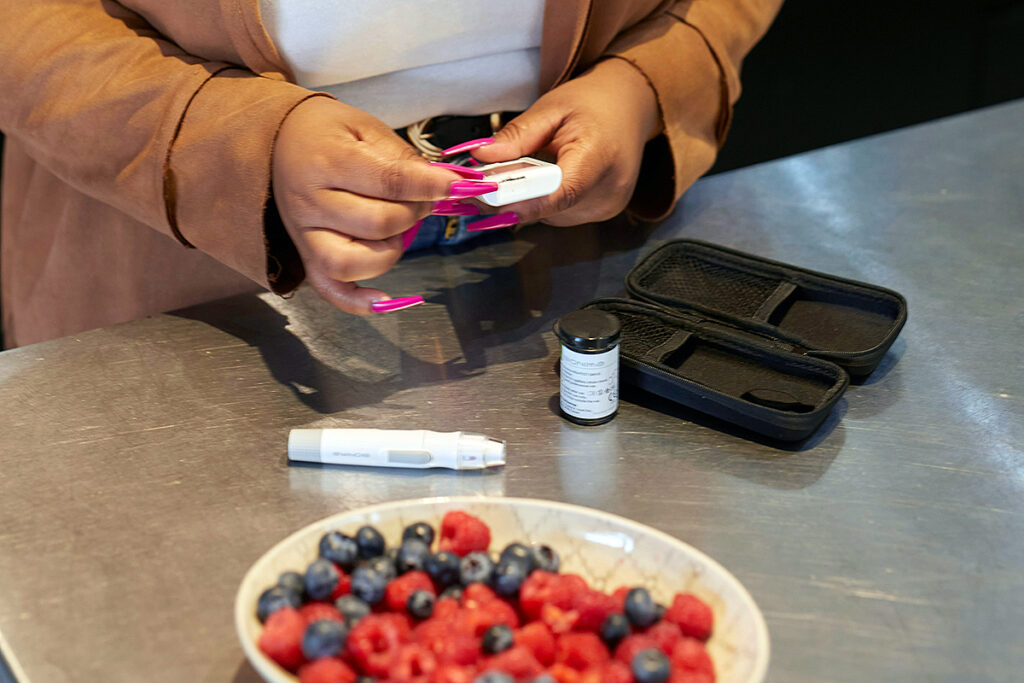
x: 522, y: 136
x: 387, y: 171
x: 362, y: 217
x: 345, y: 258
x: 346, y: 296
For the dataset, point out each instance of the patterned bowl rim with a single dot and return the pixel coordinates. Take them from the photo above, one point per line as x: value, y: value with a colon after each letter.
x: 270, y: 671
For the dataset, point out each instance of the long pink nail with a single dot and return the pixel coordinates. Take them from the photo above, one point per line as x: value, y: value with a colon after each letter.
x: 498, y: 220
x: 409, y: 236
x: 472, y: 162
x: 464, y: 189
x: 466, y: 146
x: 454, y: 208
x: 398, y: 304
x: 461, y: 170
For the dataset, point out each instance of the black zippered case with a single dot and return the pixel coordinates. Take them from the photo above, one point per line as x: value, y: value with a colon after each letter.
x: 761, y: 344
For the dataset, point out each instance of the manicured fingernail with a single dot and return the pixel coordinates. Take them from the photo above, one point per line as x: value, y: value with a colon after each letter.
x: 398, y: 304
x: 498, y: 220
x: 472, y: 162
x: 454, y: 208
x: 461, y: 170
x: 464, y: 189
x: 409, y: 236
x: 466, y: 146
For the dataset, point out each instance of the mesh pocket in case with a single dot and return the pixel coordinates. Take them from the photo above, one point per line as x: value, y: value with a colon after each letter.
x: 758, y: 343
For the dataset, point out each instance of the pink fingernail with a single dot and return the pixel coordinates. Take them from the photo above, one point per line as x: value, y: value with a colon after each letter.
x: 466, y: 146
x: 454, y: 208
x: 499, y: 220
x: 472, y: 162
x: 398, y: 304
x: 409, y: 236
x: 461, y: 170
x: 464, y: 189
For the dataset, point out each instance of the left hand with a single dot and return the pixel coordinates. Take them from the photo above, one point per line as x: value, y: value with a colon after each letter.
x: 596, y: 126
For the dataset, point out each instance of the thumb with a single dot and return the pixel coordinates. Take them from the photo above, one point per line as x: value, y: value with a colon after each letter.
x: 522, y: 136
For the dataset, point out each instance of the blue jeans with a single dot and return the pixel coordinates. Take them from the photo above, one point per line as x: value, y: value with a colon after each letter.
x: 437, y: 231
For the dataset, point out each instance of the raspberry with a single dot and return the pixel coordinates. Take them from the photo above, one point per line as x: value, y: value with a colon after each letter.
x: 374, y: 642
x: 327, y: 670
x: 631, y: 645
x: 538, y: 639
x: 445, y: 608
x: 665, y: 634
x: 414, y: 664
x: 620, y: 594
x: 544, y: 588
x: 344, y: 586
x: 450, y: 673
x: 398, y: 591
x: 462, y: 533
x: 689, y: 655
x: 517, y: 661
x: 558, y: 620
x: 573, y: 583
x: 581, y: 651
x: 692, y: 615
x: 476, y: 620
x: 476, y: 594
x: 317, y: 611
x: 281, y: 639
x: 564, y: 674
x: 611, y: 672
x: 593, y: 607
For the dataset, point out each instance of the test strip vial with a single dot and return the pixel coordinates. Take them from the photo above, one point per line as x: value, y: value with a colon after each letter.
x: 589, y: 366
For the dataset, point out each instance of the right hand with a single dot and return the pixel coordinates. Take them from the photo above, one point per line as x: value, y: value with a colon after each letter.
x: 347, y: 187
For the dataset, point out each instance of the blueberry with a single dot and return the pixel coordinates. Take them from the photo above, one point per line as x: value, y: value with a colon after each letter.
x: 324, y: 638
x: 659, y: 611
x: 274, y: 598
x: 508, y: 577
x: 321, y: 579
x: 412, y: 555
x: 443, y: 568
x: 545, y: 557
x: 614, y: 629
x: 352, y: 608
x: 369, y: 542
x: 453, y: 592
x: 420, y: 531
x: 494, y: 677
x: 420, y: 604
x: 339, y: 549
x: 517, y: 552
x: 368, y: 585
x: 497, y: 638
x: 475, y: 567
x: 294, y: 581
x: 640, y: 608
x: 383, y: 564
x: 650, y: 666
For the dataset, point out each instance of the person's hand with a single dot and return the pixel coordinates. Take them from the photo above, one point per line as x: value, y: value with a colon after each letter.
x: 596, y: 126
x: 347, y: 187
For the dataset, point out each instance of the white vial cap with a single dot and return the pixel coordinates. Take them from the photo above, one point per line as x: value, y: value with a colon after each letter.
x: 304, y: 445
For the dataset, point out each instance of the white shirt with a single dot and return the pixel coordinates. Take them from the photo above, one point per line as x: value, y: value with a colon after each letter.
x: 406, y: 60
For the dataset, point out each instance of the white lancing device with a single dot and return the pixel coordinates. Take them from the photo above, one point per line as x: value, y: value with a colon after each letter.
x: 519, y: 180
x: 412, y: 448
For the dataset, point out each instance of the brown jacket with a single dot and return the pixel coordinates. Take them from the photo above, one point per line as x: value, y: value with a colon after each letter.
x: 141, y: 128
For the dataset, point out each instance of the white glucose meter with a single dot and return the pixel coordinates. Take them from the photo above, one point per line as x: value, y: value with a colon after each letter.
x: 520, y: 180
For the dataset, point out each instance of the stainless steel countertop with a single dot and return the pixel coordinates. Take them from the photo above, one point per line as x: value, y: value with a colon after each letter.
x: 144, y: 469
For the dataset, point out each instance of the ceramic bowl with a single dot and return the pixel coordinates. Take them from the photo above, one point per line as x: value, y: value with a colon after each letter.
x: 609, y: 551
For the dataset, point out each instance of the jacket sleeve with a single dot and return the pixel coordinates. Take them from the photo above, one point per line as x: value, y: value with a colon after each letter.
x: 690, y: 51
x: 120, y: 113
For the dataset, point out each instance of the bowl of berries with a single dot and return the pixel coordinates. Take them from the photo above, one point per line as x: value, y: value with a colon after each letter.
x: 494, y: 590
